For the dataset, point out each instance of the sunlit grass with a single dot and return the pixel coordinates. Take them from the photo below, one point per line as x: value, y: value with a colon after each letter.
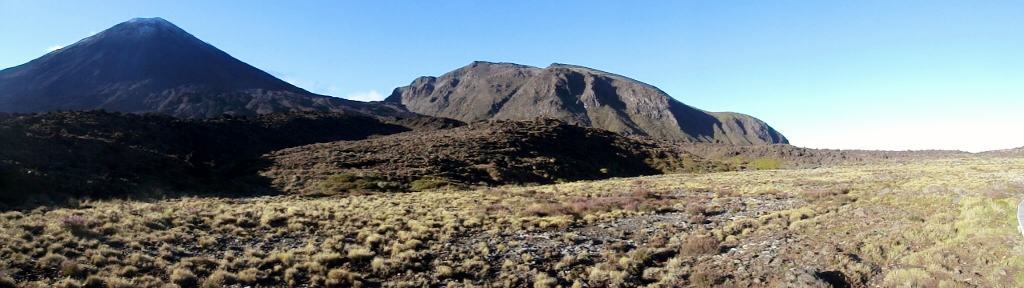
x: 946, y: 223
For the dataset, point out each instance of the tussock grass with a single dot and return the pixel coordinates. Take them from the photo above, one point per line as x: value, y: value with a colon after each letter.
x: 945, y: 222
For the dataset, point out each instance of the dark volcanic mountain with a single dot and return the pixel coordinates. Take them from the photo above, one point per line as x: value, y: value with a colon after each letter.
x: 151, y: 65
x: 577, y: 95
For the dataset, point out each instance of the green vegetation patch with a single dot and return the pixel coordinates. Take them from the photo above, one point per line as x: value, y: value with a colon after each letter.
x: 766, y: 164
x: 428, y: 183
x: 352, y: 182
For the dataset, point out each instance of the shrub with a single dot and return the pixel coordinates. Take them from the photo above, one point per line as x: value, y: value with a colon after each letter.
x: 94, y: 281
x: 63, y: 283
x: 342, y: 278
x: 91, y: 281
x: 118, y: 282
x: 428, y: 183
x: 643, y: 193
x: 443, y: 271
x: 77, y: 224
x: 329, y: 259
x: 184, y: 278
x: 703, y: 279
x: 360, y: 254
x: 800, y: 214
x: 543, y: 280
x: 696, y: 208
x: 766, y: 164
x: 250, y: 276
x: 700, y: 245
x: 50, y: 260
x: 293, y: 276
x: 274, y: 220
x: 545, y: 209
x: 219, y: 278
x: 348, y: 182
x: 379, y: 265
x: 72, y: 269
x: 6, y: 281
x: 698, y: 219
x: 822, y: 193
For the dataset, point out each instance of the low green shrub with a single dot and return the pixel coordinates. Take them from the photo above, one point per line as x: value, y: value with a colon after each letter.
x: 428, y: 183
x: 766, y: 164
x: 349, y: 182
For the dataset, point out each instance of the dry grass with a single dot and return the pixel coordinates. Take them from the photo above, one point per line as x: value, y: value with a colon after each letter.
x: 700, y: 245
x: 946, y: 223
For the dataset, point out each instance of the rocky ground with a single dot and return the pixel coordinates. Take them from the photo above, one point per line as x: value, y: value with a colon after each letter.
x: 930, y: 223
x: 789, y: 156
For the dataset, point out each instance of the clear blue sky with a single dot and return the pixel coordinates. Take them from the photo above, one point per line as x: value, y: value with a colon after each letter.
x: 830, y: 74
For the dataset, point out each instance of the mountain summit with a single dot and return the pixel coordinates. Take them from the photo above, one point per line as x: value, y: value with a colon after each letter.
x: 578, y: 95
x: 149, y: 65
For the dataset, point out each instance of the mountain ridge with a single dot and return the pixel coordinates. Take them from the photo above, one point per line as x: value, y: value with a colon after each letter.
x: 578, y: 95
x: 150, y: 65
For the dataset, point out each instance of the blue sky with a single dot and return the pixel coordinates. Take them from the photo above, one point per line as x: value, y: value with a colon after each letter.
x: 828, y: 74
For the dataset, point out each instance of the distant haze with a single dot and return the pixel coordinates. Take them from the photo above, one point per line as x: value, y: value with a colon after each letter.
x: 827, y: 74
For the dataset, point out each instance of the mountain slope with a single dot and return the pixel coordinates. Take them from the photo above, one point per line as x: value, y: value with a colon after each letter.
x: 151, y: 65
x: 492, y: 153
x: 578, y: 95
x: 1019, y: 151
x: 50, y: 157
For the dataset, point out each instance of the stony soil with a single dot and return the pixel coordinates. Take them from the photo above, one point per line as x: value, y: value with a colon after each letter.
x: 930, y: 223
